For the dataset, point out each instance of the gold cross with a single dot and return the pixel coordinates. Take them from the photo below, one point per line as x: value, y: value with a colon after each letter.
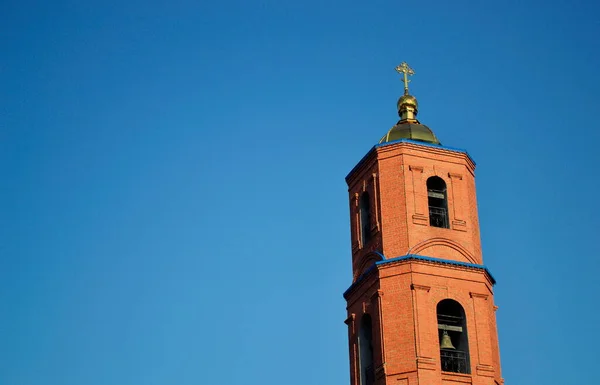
x: 404, y: 69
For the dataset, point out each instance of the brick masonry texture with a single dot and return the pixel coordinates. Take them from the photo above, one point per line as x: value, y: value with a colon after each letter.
x: 401, y: 296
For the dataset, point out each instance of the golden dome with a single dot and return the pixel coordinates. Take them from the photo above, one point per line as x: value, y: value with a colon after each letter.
x: 408, y: 127
x: 409, y: 130
x: 407, y: 99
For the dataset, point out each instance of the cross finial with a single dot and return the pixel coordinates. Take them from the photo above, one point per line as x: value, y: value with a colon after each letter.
x: 404, y: 69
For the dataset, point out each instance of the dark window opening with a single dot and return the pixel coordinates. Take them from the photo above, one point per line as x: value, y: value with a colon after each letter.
x: 454, y: 343
x: 365, y: 218
x: 438, y: 202
x: 365, y: 351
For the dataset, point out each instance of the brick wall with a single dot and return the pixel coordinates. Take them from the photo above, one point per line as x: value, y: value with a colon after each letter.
x: 401, y: 296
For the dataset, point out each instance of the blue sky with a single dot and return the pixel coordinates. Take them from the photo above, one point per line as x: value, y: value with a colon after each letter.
x: 174, y: 208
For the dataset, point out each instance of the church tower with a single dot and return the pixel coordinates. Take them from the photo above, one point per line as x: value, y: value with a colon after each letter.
x: 421, y: 306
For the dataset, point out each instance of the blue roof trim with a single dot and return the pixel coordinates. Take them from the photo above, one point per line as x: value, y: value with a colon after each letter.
x: 359, y: 280
x: 378, y: 253
x: 439, y: 260
x: 421, y: 258
x: 447, y: 148
x: 366, y: 272
x: 417, y: 142
x: 404, y: 140
x: 360, y: 161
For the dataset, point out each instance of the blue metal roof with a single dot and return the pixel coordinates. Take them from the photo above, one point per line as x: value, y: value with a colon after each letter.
x: 415, y: 257
x: 438, y: 260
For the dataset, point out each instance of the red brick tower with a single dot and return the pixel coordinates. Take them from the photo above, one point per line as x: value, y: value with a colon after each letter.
x: 421, y: 307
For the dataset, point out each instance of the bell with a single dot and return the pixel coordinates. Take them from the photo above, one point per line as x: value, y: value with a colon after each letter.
x: 446, y: 342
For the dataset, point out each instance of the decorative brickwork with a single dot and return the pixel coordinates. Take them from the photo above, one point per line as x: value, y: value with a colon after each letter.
x: 407, y: 267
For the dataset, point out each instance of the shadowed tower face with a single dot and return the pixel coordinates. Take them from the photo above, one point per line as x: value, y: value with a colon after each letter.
x: 420, y: 306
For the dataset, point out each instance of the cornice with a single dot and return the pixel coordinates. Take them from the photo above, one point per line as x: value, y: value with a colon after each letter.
x: 361, y: 165
x: 417, y: 258
x: 360, y: 281
x: 416, y: 145
x: 423, y: 145
x: 438, y: 261
x: 461, y: 156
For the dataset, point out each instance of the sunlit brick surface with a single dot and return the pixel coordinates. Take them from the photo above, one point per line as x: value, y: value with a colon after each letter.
x: 401, y: 296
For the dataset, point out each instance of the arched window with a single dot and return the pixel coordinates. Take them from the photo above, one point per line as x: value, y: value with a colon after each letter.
x: 438, y: 202
x: 365, y: 351
x: 454, y: 342
x: 365, y: 217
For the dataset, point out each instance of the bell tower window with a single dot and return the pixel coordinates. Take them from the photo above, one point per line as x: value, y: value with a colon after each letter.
x: 454, y: 343
x: 438, y: 202
x: 365, y: 351
x: 365, y: 217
